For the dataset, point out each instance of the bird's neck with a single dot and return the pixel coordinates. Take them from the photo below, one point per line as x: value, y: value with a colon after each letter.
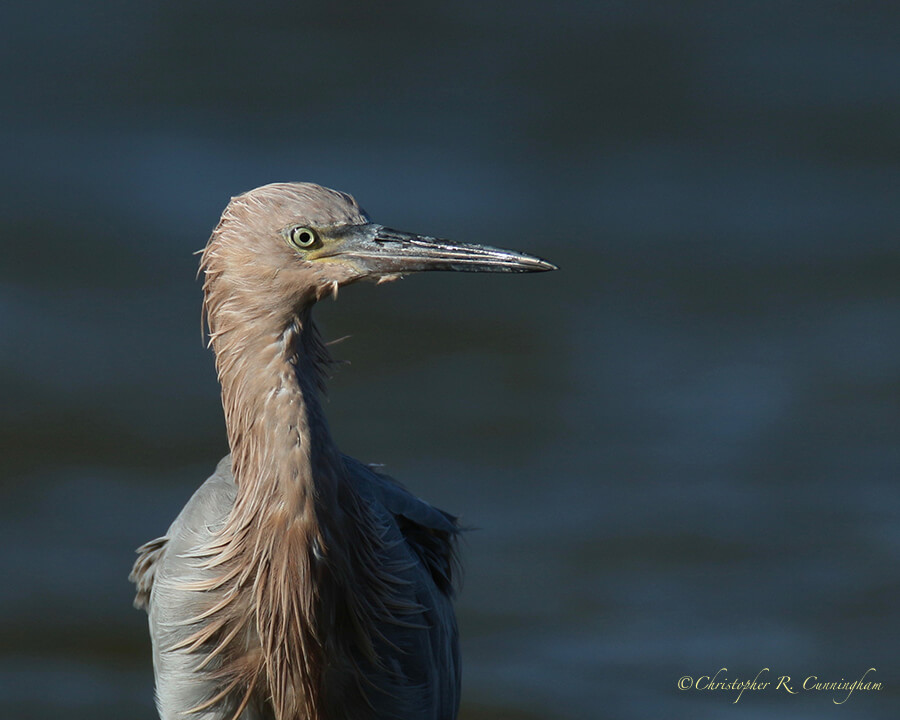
x: 302, y: 578
x: 272, y: 378
x: 281, y: 534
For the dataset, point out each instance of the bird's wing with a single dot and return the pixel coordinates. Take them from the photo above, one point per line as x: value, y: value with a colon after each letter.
x: 401, y: 501
x: 151, y: 554
x: 163, y: 573
x: 421, y: 540
x: 144, y: 570
x: 429, y: 531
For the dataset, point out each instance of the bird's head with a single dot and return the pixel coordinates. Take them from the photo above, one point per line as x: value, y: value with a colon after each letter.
x: 283, y: 246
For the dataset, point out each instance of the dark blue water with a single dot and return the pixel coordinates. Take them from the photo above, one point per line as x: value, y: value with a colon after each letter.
x: 681, y: 451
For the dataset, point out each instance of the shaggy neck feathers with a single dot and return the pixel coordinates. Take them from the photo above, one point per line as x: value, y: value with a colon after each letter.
x: 287, y: 471
x: 300, y: 582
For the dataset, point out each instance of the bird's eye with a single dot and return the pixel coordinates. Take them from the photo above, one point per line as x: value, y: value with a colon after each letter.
x: 302, y: 237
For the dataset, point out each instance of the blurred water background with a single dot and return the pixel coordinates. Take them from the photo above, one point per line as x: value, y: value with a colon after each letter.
x: 681, y: 450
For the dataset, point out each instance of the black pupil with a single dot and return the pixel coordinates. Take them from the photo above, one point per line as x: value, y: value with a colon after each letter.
x: 304, y: 238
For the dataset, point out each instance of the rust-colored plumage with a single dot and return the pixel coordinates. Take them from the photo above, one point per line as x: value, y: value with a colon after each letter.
x: 298, y: 584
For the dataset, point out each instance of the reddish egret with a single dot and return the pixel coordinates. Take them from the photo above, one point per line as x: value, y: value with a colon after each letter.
x: 298, y: 583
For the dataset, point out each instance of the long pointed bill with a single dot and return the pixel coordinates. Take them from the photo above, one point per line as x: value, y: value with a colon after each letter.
x: 382, y: 251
